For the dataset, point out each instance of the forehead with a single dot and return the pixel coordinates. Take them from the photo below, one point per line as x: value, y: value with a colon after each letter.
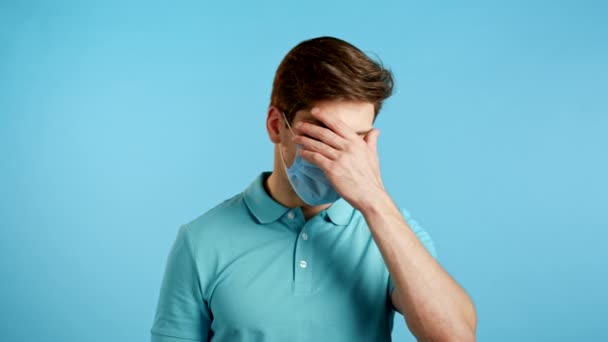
x: 357, y: 115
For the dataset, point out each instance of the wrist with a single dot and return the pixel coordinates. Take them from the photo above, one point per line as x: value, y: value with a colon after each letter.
x: 377, y: 204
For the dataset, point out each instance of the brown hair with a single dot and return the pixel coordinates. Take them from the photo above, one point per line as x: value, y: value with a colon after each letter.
x: 328, y: 68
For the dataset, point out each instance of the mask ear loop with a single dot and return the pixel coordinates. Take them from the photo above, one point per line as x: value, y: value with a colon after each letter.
x: 287, y: 123
x: 292, y: 132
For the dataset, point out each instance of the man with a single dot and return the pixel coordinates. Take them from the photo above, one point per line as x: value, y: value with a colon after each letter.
x: 315, y: 250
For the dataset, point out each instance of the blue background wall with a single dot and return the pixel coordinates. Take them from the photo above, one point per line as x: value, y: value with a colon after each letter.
x: 119, y: 122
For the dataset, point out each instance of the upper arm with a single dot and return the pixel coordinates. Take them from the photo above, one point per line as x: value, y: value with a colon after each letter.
x: 181, y: 312
x: 425, y: 238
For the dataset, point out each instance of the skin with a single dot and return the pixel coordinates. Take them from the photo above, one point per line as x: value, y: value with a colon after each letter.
x: 338, y: 137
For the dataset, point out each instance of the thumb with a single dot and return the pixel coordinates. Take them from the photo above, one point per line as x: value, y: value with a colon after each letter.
x: 372, y: 139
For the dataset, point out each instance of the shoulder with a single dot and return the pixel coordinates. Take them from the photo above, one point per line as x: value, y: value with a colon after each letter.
x: 219, y: 212
x: 212, y: 225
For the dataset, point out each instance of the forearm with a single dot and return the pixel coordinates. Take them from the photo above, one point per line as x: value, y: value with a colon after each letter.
x: 435, y: 307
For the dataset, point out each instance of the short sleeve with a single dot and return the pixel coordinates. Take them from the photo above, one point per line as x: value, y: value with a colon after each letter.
x: 423, y: 237
x: 181, y: 314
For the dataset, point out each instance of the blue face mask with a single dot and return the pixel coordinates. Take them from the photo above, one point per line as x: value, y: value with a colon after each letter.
x: 308, y: 180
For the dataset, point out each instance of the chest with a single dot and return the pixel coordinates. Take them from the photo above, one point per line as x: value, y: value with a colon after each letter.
x: 324, y: 277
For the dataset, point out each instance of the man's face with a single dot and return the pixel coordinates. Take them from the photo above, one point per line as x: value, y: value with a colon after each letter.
x: 359, y: 116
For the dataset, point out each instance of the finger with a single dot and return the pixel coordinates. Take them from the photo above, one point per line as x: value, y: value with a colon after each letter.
x: 317, y: 158
x: 316, y: 146
x: 371, y: 139
x: 321, y: 133
x: 334, y: 123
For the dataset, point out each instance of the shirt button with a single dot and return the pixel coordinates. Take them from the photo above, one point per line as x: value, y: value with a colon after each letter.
x: 290, y: 215
x: 303, y: 264
x: 304, y: 236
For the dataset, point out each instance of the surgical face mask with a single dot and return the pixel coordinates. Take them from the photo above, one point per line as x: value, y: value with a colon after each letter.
x: 308, y: 180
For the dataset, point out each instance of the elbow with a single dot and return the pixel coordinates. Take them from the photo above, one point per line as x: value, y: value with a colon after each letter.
x: 469, y: 337
x: 461, y: 330
x: 466, y: 331
x: 465, y: 334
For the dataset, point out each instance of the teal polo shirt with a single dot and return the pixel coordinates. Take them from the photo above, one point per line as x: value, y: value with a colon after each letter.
x: 251, y: 269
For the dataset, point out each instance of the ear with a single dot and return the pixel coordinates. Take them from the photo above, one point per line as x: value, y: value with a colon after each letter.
x: 273, y: 121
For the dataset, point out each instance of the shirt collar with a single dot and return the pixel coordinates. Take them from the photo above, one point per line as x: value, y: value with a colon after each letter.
x: 340, y: 212
x: 266, y: 209
x: 262, y: 206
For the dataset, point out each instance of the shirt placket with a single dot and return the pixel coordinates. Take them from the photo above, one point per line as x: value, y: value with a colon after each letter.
x: 302, y: 262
